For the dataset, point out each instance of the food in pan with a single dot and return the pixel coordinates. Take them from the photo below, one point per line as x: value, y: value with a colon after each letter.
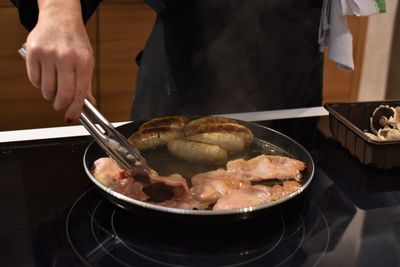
x: 255, y: 195
x: 262, y: 167
x: 209, y: 120
x: 227, y: 141
x: 207, y: 163
x: 154, y: 137
x: 107, y: 171
x: 177, y: 122
x: 204, y: 140
x: 158, y: 131
x: 195, y: 151
x: 223, y: 127
x: 385, y: 124
x: 237, y: 185
x: 240, y: 175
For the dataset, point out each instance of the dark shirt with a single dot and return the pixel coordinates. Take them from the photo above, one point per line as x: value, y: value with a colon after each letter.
x: 226, y: 56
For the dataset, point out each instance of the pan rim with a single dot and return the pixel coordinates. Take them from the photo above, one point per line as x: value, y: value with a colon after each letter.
x: 210, y: 213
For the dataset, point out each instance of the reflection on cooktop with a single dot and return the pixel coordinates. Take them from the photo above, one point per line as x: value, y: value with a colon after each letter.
x: 368, y: 187
x: 102, y: 234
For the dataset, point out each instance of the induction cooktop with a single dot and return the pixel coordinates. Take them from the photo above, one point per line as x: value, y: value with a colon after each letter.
x: 53, y: 216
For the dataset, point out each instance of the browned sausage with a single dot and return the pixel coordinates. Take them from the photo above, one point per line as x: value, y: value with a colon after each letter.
x: 224, y: 127
x: 171, y: 121
x: 195, y: 151
x: 209, y: 120
x: 153, y: 137
x: 230, y: 142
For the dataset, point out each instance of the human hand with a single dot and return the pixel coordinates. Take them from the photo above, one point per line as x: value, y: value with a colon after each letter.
x: 60, y: 58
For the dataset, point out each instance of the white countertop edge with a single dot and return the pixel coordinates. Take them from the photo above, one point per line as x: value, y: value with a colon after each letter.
x: 72, y: 131
x: 279, y: 114
x: 46, y: 133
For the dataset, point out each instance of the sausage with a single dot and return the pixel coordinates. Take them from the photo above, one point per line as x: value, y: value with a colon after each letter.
x: 177, y: 122
x: 154, y: 137
x: 195, y: 151
x: 230, y: 142
x: 224, y: 127
x: 209, y: 120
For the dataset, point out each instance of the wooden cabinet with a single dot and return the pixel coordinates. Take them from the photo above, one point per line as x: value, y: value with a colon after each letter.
x: 5, y: 3
x: 118, y: 31
x: 21, y: 104
x: 123, y: 32
x: 343, y: 85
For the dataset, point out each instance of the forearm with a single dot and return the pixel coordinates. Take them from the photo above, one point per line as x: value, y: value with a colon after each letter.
x: 28, y: 9
x: 60, y: 10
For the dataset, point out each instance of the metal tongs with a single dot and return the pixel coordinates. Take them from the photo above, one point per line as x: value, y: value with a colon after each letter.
x: 112, y: 141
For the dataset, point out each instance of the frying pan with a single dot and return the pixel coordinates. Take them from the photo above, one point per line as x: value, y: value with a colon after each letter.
x: 267, y: 140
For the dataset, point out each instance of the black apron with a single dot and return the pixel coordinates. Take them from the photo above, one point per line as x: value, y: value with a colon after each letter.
x: 228, y: 56
x: 223, y: 56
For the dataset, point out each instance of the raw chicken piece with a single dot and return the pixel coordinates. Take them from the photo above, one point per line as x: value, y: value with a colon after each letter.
x: 186, y: 202
x: 209, y: 186
x: 247, y: 197
x: 130, y: 188
x: 175, y: 181
x: 267, y: 167
x: 202, y: 177
x: 107, y: 171
x: 210, y: 190
x: 228, y: 189
x: 255, y: 195
x: 280, y: 191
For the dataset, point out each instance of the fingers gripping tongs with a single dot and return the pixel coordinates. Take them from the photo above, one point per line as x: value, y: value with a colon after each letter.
x: 112, y: 141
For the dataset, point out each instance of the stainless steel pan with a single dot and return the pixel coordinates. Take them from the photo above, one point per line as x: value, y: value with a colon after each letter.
x: 266, y: 139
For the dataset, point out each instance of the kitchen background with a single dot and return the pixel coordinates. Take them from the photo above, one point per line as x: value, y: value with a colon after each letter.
x: 118, y: 31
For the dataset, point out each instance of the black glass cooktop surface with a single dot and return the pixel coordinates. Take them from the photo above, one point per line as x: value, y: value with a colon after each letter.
x: 53, y: 216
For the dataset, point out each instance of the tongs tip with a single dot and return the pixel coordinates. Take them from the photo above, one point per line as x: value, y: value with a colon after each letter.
x: 112, y: 141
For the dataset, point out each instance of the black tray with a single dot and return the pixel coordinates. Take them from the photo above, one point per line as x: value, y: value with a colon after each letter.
x: 349, y: 122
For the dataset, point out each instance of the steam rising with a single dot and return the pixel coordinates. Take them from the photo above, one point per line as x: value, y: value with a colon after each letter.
x: 236, y: 56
